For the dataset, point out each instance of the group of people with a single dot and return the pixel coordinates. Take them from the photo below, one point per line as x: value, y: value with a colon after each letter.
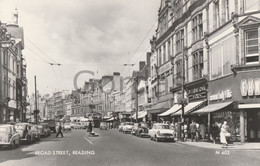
x: 197, y: 131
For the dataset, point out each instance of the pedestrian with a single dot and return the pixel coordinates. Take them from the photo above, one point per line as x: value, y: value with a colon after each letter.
x: 224, y: 133
x: 214, y: 132
x: 193, y: 129
x: 90, y: 127
x: 59, y: 131
x: 185, y: 131
x: 202, y: 130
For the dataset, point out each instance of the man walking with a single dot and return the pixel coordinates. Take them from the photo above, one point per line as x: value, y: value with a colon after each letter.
x: 59, y: 131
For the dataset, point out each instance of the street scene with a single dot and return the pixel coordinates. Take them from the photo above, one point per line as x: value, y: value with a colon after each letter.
x: 128, y: 82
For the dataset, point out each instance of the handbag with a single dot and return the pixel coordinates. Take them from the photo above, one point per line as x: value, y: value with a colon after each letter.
x: 227, y: 134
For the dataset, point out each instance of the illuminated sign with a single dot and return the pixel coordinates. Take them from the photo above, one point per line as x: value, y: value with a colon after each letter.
x: 250, y: 87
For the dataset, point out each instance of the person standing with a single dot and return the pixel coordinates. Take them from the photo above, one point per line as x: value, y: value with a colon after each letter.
x: 59, y: 131
x: 224, y: 133
x: 214, y: 132
x: 193, y: 129
x: 202, y: 129
x: 90, y: 127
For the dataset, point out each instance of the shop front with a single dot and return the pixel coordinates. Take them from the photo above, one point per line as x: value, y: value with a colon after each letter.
x: 236, y: 99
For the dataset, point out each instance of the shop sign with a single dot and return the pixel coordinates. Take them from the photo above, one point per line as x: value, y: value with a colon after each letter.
x: 197, y: 93
x: 222, y: 95
x: 250, y: 87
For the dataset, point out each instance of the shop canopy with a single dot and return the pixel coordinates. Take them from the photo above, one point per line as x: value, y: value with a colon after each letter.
x: 158, y: 108
x: 111, y: 119
x: 188, y: 108
x: 141, y: 114
x: 174, y: 108
x: 212, y: 108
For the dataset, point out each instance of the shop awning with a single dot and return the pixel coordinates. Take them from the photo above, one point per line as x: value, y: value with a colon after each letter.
x: 141, y: 114
x: 111, y: 119
x: 245, y: 106
x: 174, y: 108
x: 212, y: 108
x: 188, y: 108
x: 159, y: 108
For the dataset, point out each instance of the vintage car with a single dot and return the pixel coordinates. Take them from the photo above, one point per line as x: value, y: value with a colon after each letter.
x: 120, y: 127
x: 103, y: 126
x: 135, y: 127
x: 127, y: 128
x: 67, y: 126
x: 37, y: 132
x: 44, y: 129
x: 8, y: 136
x: 25, y: 132
x: 78, y: 125
x: 142, y: 130
x: 161, y: 131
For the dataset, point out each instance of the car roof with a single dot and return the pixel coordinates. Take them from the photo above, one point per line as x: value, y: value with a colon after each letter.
x: 22, y: 124
x: 6, y: 125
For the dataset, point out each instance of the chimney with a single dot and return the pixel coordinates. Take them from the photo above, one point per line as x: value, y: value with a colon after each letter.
x: 141, y: 65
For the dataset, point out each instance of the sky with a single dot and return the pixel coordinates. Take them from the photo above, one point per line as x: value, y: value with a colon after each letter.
x: 95, y: 35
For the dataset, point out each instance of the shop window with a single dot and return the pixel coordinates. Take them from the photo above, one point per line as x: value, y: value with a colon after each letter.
x: 251, y: 47
x: 197, y: 64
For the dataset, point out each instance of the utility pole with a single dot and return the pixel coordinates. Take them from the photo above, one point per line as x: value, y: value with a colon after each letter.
x: 35, y: 96
x: 136, y: 95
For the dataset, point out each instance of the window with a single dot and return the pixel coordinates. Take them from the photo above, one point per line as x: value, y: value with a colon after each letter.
x: 160, y: 56
x: 197, y: 28
x: 197, y: 64
x: 251, y: 47
x: 178, y: 75
x: 5, y: 57
x: 252, y: 5
x: 216, y: 15
x: 222, y: 56
x: 169, y: 50
x: 14, y: 91
x: 164, y: 53
x: 179, y: 41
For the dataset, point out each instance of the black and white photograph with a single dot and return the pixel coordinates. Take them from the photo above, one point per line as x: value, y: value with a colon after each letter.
x: 129, y: 82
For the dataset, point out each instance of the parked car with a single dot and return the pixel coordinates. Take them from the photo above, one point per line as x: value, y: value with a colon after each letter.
x: 51, y: 124
x: 103, y: 126
x: 78, y: 125
x: 36, y: 131
x: 67, y: 126
x: 84, y: 125
x: 25, y: 132
x: 135, y: 127
x: 142, y: 130
x: 44, y: 129
x: 8, y: 136
x: 161, y: 131
x: 120, y: 127
x: 127, y: 127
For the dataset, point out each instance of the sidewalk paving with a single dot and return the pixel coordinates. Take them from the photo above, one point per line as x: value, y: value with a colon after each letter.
x: 235, y: 145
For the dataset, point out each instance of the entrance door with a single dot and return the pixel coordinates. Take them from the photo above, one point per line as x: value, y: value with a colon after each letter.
x: 253, y: 126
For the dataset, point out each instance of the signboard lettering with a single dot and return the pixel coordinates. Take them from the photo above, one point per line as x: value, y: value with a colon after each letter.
x: 222, y: 95
x: 250, y: 87
x: 197, y: 93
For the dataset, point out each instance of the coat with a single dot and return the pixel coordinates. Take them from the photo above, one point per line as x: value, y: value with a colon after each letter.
x: 193, y: 128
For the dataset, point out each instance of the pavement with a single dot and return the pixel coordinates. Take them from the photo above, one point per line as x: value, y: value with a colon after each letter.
x: 235, y: 145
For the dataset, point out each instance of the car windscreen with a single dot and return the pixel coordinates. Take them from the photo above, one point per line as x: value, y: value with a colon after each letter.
x: 163, y: 127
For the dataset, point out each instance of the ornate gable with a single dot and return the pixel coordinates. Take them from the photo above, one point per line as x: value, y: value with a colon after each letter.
x: 250, y: 20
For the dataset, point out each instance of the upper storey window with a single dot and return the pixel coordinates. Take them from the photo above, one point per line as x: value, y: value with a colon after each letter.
x: 197, y: 28
x: 179, y: 41
x: 251, y: 46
